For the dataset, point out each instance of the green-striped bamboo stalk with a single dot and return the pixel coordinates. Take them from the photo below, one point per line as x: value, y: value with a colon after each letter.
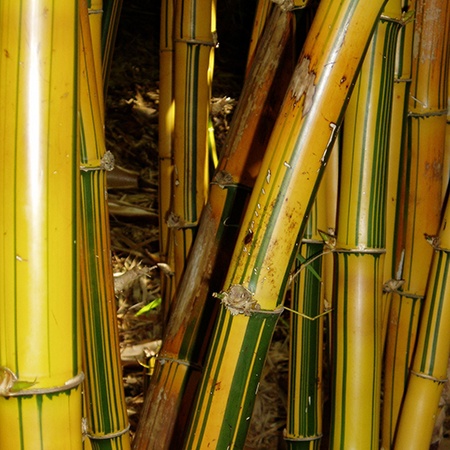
x: 95, y: 22
x: 422, y: 181
x: 165, y: 144
x: 304, y: 410
x: 40, y: 395
x: 310, y: 295
x: 429, y: 369
x: 110, y: 23
x: 397, y: 309
x: 360, y: 245
x: 194, y: 42
x: 428, y: 128
x: 107, y: 421
x: 183, y: 350
x: 275, y: 220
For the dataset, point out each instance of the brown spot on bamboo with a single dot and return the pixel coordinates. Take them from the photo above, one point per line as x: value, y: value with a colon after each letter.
x: 302, y: 84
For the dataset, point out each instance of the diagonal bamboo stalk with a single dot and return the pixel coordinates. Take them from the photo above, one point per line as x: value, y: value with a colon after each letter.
x: 106, y: 422
x: 275, y: 220
x: 39, y: 338
x: 182, y: 354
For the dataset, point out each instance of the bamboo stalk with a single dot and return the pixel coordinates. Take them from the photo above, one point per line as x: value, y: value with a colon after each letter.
x: 422, y: 204
x: 304, y: 411
x: 165, y: 146
x: 360, y: 245
x: 182, y: 355
x: 428, y: 128
x: 429, y: 369
x: 262, y: 13
x: 275, y: 220
x: 106, y: 422
x: 110, y: 23
x: 40, y: 401
x: 194, y: 42
x: 95, y: 22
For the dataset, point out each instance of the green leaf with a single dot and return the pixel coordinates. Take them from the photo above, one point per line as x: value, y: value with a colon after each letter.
x: 152, y: 305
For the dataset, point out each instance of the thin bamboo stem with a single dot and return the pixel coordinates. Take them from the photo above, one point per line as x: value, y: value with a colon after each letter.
x: 106, y: 422
x: 275, y: 220
x: 194, y: 42
x: 39, y: 338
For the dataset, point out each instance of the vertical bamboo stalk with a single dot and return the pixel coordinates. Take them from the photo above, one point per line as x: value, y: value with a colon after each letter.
x: 40, y: 396
x: 400, y: 313
x: 165, y: 145
x: 428, y: 128
x: 194, y: 41
x: 422, y: 178
x: 304, y: 411
x: 95, y: 22
x: 182, y: 355
x: 360, y: 245
x: 107, y: 421
x: 275, y: 220
x: 110, y: 23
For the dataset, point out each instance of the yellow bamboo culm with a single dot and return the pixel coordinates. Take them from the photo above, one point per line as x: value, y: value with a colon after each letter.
x: 361, y: 245
x: 428, y: 116
x: 40, y: 395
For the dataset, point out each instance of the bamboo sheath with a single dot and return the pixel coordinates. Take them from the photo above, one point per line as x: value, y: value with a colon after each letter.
x: 40, y: 401
x: 179, y: 361
x: 194, y: 42
x: 360, y: 245
x: 276, y: 218
x: 106, y: 421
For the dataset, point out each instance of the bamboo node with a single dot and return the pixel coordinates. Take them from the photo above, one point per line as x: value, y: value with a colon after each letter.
x: 434, y: 241
x: 429, y: 377
x: 238, y: 300
x: 105, y: 163
x: 102, y: 436
x: 11, y: 386
x: 214, y: 42
x: 222, y: 178
x: 392, y: 285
